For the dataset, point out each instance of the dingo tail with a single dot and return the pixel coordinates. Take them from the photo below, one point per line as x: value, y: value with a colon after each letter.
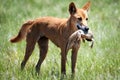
x: 23, y: 32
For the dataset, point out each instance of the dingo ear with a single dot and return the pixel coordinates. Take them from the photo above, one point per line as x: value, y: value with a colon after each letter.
x: 86, y: 6
x: 72, y: 8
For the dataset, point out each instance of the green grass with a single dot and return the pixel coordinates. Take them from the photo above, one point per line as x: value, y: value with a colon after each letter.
x: 100, y: 63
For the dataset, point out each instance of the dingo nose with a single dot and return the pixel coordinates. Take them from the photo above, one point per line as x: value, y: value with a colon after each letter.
x: 86, y: 28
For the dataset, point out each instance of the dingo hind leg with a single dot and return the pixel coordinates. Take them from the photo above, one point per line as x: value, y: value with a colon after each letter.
x: 30, y: 45
x: 43, y: 46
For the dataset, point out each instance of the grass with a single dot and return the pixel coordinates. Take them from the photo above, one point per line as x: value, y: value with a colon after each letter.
x: 100, y: 63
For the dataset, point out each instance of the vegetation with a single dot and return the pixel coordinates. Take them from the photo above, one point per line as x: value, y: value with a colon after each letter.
x: 100, y: 63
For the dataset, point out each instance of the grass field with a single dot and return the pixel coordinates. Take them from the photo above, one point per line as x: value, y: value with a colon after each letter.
x: 100, y: 63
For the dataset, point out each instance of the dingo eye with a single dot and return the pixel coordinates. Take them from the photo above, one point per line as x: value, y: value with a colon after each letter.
x: 80, y: 19
x: 87, y: 19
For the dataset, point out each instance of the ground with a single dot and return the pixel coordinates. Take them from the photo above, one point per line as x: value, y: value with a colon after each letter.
x: 100, y: 63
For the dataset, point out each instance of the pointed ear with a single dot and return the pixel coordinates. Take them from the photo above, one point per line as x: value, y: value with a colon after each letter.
x: 86, y: 6
x: 72, y: 8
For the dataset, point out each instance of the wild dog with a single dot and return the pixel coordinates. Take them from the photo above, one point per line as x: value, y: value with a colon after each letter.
x: 57, y: 30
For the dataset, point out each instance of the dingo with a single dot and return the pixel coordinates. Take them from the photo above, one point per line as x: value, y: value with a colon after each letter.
x: 57, y: 30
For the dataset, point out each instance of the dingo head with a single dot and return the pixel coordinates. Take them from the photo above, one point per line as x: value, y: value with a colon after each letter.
x: 79, y: 17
